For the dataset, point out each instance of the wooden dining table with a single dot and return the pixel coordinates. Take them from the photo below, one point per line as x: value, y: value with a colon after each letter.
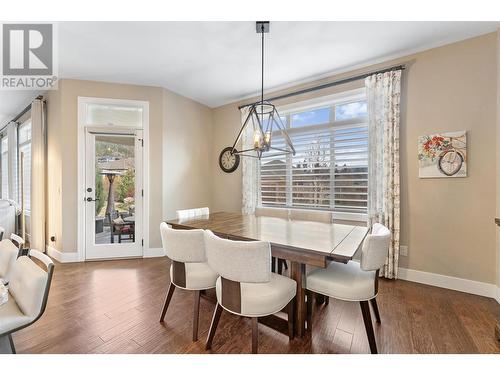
x: 300, y: 242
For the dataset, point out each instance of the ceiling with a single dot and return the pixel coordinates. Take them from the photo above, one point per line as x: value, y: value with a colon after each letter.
x: 219, y: 62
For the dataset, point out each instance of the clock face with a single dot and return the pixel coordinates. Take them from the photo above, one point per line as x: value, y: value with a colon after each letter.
x: 228, y: 161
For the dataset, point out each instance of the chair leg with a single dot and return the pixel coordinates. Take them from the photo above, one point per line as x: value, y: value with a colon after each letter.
x: 365, y: 309
x: 13, y: 348
x: 170, y: 292
x: 273, y: 264
x: 280, y: 266
x: 196, y: 314
x: 375, y: 309
x: 213, y: 326
x: 255, y: 335
x: 291, y: 308
x: 285, y: 264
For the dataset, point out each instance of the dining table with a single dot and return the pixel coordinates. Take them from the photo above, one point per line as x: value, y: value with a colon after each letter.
x: 302, y: 243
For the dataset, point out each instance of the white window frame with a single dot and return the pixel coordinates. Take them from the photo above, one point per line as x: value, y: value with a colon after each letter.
x: 330, y: 101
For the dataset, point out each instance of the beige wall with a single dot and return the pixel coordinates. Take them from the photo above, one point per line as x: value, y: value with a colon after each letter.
x: 53, y: 208
x: 62, y: 158
x: 187, y: 143
x: 446, y: 223
x: 498, y: 166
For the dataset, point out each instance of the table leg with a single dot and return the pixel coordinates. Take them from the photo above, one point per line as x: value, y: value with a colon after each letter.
x: 298, y: 271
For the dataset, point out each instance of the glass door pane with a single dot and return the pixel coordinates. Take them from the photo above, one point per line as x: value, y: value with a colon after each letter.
x: 115, y: 189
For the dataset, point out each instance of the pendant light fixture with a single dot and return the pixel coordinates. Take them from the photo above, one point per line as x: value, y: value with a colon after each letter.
x: 264, y: 119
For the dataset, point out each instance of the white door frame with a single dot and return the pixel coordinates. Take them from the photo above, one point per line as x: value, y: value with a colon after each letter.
x: 82, y: 103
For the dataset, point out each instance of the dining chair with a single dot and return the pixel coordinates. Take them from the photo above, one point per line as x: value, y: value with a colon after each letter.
x: 17, y: 240
x: 29, y: 287
x: 119, y: 227
x: 8, y: 256
x: 189, y: 269
x: 354, y: 281
x: 312, y: 215
x: 320, y: 217
x: 246, y: 286
x: 282, y: 213
x: 192, y: 212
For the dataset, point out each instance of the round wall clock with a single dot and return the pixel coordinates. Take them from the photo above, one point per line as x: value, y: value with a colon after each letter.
x: 228, y: 161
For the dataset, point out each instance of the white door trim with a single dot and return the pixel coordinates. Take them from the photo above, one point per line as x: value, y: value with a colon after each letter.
x: 82, y: 101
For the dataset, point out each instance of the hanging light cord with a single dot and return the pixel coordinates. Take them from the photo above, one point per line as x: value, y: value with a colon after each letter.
x: 262, y: 81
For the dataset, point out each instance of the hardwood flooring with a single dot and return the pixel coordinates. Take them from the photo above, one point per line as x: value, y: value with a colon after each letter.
x: 114, y: 307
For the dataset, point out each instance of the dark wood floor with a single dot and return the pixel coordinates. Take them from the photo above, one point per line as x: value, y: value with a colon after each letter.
x: 113, y: 307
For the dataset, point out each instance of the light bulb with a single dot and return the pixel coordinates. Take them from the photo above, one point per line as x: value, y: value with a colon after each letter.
x: 267, y: 138
x: 257, y: 139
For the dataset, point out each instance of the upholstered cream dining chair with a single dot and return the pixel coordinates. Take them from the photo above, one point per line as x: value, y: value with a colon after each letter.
x: 354, y: 281
x: 8, y: 256
x: 17, y: 240
x: 312, y: 215
x: 189, y: 269
x: 282, y: 213
x: 192, y: 212
x: 29, y: 287
x: 246, y: 286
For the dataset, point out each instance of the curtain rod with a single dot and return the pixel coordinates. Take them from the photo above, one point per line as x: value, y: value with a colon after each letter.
x: 20, y: 114
x: 331, y: 84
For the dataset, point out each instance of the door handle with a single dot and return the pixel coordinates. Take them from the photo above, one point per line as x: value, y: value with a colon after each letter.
x: 92, y: 200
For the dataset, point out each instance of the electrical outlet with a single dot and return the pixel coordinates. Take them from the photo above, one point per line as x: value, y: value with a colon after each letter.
x: 403, y: 251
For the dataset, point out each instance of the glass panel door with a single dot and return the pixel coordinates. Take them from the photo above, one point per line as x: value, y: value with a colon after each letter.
x: 113, y: 195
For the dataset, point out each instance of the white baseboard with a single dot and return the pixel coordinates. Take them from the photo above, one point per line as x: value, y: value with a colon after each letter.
x: 449, y: 282
x: 154, y: 252
x: 62, y: 257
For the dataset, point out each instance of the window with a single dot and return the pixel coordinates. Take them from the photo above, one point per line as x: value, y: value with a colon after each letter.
x: 351, y: 110
x: 4, y: 158
x: 314, y: 117
x: 24, y: 137
x: 108, y: 114
x: 330, y: 168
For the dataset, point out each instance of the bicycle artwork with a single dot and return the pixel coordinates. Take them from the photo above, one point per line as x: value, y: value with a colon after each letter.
x: 443, y: 155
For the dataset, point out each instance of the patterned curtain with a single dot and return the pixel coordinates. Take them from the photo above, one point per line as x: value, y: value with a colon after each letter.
x: 38, y: 168
x: 250, y: 167
x: 384, y: 92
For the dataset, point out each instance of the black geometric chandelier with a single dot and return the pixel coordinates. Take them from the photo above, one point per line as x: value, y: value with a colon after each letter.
x: 264, y: 120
